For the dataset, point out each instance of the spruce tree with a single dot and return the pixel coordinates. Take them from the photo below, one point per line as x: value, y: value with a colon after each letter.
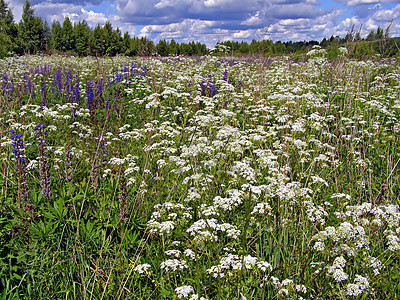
x: 30, y: 30
x: 82, y: 35
x: 67, y: 36
x: 97, y: 42
x: 8, y: 29
x: 56, y: 36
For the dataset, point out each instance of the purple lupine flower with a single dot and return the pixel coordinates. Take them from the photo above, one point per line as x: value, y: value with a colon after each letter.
x: 118, y: 77
x: 68, y: 83
x: 99, y: 91
x: 103, y: 148
x: 44, y: 92
x: 225, y: 75
x: 18, y: 147
x: 53, y: 88
x: 20, y: 167
x: 133, y: 69
x: 31, y: 87
x: 145, y: 70
x: 107, y: 105
x: 41, y: 133
x: 189, y: 86
x: 212, y: 86
x: 58, y: 80
x: 203, y: 88
x: 89, y: 95
x: 76, y: 92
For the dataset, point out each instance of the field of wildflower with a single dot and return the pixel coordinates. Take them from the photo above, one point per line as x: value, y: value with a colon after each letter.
x: 199, y: 178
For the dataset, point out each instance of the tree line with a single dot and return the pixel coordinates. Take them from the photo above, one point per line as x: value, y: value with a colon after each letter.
x: 33, y: 35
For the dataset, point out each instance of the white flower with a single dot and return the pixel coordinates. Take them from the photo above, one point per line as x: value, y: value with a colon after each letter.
x: 360, y: 285
x: 142, y: 268
x: 183, y: 291
x: 263, y: 266
x: 393, y: 241
x: 283, y: 292
x: 275, y: 281
x: 196, y: 297
x: 163, y: 228
x: 339, y: 275
x: 173, y: 264
x: 341, y: 195
x: 190, y: 253
x: 301, y: 288
x: 175, y: 253
x: 286, y: 282
x: 249, y: 261
x: 33, y: 164
x: 319, y: 246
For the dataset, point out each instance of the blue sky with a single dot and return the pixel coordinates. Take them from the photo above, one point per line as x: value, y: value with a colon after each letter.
x: 210, y: 21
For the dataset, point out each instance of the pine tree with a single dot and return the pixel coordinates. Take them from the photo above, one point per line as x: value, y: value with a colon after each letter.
x: 56, y: 36
x: 162, y: 48
x: 97, y: 42
x: 173, y: 48
x: 30, y: 30
x: 8, y: 29
x: 67, y: 36
x: 82, y: 35
x: 126, y: 43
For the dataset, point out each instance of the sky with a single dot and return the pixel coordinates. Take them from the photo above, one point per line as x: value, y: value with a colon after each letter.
x: 213, y: 21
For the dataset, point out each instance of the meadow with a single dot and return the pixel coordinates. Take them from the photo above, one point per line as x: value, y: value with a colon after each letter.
x: 199, y: 178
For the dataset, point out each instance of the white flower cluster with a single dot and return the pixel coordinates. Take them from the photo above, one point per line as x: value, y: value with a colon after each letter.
x: 229, y: 203
x: 336, y: 270
x: 184, y: 291
x: 207, y: 230
x: 232, y: 262
x: 142, y: 268
x: 173, y: 265
x: 360, y: 285
x: 166, y: 216
x: 287, y: 286
x: 315, y: 213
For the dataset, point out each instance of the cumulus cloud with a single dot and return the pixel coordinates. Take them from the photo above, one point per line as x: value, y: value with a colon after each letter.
x: 243, y: 34
x: 359, y: 2
x: 210, y: 21
x: 187, y: 30
x: 387, y: 15
x: 366, y: 2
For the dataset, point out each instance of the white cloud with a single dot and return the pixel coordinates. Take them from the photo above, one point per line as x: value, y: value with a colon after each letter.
x: 210, y: 21
x: 92, y: 17
x: 387, y: 15
x: 359, y: 2
x: 243, y: 34
x: 218, y: 3
x: 188, y: 27
x: 164, y: 3
x: 257, y: 19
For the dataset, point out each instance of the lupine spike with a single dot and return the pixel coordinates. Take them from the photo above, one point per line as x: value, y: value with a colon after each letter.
x: 44, y: 170
x: 21, y: 172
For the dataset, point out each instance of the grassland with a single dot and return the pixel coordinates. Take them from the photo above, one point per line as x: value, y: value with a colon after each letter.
x: 199, y: 178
